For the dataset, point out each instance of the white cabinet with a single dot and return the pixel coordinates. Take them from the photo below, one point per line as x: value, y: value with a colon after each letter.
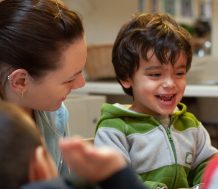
x: 84, y: 111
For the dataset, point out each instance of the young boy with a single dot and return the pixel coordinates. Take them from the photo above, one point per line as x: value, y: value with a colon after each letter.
x: 25, y: 162
x: 166, y: 145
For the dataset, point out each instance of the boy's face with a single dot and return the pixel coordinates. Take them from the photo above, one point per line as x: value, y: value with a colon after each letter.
x: 158, y: 88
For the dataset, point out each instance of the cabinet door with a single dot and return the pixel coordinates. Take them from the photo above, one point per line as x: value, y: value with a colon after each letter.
x: 84, y: 111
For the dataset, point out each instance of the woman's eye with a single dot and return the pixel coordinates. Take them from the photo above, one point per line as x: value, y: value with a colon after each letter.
x: 70, y: 81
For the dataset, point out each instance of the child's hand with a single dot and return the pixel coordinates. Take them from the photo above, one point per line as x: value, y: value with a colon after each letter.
x: 91, y: 163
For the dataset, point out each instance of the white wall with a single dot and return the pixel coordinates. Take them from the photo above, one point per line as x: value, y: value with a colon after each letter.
x: 215, y: 29
x: 102, y: 19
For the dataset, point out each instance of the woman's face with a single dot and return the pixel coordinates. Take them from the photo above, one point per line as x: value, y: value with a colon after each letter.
x: 48, y: 93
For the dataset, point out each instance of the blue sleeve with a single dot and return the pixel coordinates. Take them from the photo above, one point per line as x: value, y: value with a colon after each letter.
x: 124, y: 179
x: 58, y: 183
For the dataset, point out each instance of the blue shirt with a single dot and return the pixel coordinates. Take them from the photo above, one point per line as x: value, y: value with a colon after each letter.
x: 53, y: 126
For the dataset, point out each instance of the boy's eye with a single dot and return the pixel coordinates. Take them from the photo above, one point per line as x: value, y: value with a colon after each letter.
x: 154, y: 74
x: 181, y: 73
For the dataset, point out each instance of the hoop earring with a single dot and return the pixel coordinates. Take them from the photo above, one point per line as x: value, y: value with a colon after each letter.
x: 22, y: 94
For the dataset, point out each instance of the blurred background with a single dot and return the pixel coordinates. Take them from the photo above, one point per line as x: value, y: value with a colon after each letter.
x: 102, y: 20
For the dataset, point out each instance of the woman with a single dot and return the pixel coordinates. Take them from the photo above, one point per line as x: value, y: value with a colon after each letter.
x: 43, y: 53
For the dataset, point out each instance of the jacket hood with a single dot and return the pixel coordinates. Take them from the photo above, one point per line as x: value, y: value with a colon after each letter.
x: 114, y: 111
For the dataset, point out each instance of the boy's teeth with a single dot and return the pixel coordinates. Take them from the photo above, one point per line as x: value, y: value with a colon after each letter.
x: 166, y: 97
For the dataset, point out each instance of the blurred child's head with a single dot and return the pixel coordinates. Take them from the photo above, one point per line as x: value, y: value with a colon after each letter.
x: 156, y: 33
x: 23, y: 156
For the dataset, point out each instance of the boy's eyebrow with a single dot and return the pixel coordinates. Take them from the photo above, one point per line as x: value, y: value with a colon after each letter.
x: 153, y: 67
x: 160, y: 67
x: 181, y: 66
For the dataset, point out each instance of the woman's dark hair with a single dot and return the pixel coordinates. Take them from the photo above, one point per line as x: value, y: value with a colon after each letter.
x: 19, y: 138
x: 145, y: 32
x: 33, y: 34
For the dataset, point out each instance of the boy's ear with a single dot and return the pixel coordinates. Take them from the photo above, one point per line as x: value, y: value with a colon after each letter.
x: 18, y: 80
x: 41, y: 166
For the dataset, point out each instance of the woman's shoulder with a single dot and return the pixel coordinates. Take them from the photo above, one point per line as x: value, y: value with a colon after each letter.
x: 60, y: 117
x: 57, y: 119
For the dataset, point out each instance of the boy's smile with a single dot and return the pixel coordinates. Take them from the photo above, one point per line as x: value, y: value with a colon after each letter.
x: 158, y: 88
x: 166, y: 99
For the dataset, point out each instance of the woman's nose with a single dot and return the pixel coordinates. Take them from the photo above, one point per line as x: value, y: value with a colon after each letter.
x: 78, y: 83
x: 81, y: 81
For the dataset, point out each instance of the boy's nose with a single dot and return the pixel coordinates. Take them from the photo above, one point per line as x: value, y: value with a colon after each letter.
x: 168, y: 83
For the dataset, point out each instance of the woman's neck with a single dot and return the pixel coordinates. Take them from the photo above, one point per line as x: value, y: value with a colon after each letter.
x: 12, y: 97
x: 29, y: 112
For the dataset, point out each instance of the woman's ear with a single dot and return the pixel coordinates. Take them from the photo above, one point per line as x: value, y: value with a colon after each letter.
x: 126, y: 84
x: 18, y: 80
x: 41, y: 166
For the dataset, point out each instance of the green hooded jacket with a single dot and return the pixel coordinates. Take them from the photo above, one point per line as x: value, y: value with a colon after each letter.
x: 173, y: 155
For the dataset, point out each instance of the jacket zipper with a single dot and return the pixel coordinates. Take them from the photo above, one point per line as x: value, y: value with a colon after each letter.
x: 174, y: 151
